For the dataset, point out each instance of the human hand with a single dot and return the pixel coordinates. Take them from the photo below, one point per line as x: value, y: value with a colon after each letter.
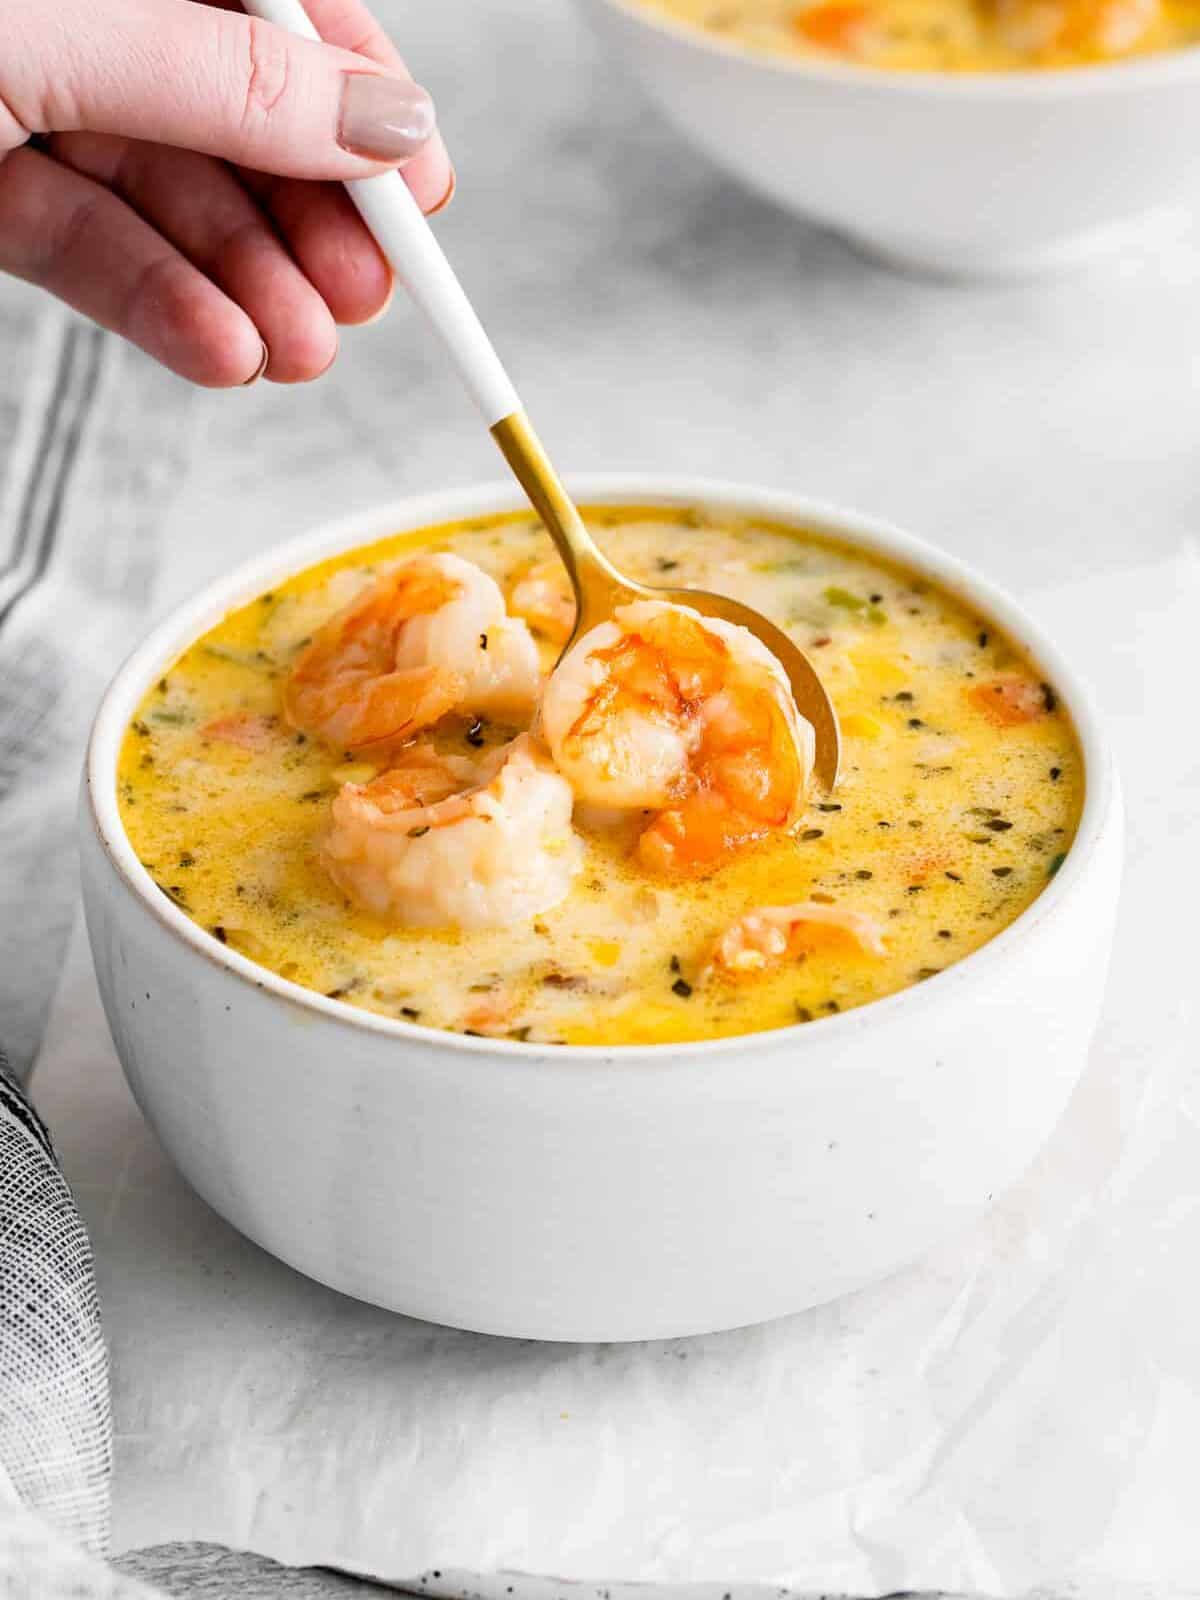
x: 168, y: 191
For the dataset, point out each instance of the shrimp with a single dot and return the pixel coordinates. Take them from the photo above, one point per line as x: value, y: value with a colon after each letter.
x: 429, y: 638
x: 446, y: 841
x: 541, y: 594
x: 686, y: 716
x: 762, y: 939
x: 1102, y: 28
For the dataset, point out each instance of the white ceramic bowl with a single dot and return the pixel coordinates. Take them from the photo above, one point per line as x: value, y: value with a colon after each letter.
x: 976, y: 175
x: 590, y: 1193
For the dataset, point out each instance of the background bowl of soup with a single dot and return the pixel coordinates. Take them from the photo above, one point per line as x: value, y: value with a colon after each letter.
x: 600, y: 1191
x: 970, y: 173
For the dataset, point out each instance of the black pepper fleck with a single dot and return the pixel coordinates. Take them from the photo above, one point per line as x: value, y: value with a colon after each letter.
x: 682, y: 988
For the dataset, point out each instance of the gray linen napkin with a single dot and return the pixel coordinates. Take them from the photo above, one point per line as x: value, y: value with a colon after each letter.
x: 86, y: 460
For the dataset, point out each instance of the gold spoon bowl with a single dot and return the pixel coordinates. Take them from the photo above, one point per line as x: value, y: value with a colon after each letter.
x: 600, y: 588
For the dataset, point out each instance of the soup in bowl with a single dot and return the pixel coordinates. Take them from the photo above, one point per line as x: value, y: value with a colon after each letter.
x: 927, y: 132
x: 426, y: 991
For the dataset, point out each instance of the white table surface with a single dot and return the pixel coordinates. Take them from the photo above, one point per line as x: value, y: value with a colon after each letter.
x: 656, y: 316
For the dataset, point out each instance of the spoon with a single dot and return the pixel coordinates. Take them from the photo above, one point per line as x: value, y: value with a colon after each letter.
x: 407, y: 241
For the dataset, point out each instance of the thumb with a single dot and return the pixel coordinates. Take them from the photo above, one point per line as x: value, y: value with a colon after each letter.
x: 177, y: 73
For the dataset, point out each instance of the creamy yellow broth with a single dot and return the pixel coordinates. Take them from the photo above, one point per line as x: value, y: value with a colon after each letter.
x: 945, y: 826
x: 947, y: 35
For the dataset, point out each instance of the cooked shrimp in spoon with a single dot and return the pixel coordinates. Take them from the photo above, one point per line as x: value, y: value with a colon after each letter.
x: 684, y: 716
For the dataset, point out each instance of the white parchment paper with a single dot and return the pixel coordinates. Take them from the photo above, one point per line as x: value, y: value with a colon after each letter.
x: 1019, y: 1413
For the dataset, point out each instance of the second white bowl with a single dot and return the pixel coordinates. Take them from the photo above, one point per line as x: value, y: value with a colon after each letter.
x: 975, y: 174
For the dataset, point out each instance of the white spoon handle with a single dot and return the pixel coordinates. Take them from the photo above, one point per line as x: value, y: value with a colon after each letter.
x: 406, y: 239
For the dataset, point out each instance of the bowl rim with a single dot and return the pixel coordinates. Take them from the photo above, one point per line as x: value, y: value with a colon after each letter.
x: 1036, y: 83
x: 186, y: 622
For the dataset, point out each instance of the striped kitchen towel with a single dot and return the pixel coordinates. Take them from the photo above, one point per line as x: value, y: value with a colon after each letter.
x: 87, y: 459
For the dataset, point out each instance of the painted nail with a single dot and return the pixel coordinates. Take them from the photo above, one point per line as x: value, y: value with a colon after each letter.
x: 447, y: 197
x: 384, y: 119
x: 379, y: 315
x: 260, y: 369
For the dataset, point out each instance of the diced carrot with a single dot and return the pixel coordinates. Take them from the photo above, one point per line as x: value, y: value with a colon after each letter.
x: 1010, y: 700
x: 246, y: 731
x: 834, y: 25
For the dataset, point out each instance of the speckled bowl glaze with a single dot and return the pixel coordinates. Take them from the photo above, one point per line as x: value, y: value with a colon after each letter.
x: 962, y: 175
x: 591, y: 1193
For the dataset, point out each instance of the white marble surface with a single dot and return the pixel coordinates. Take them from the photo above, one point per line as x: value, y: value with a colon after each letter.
x: 654, y: 315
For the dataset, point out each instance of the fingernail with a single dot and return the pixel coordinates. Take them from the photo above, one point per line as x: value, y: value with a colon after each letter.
x: 447, y: 197
x: 384, y: 119
x: 379, y: 315
x: 260, y: 369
